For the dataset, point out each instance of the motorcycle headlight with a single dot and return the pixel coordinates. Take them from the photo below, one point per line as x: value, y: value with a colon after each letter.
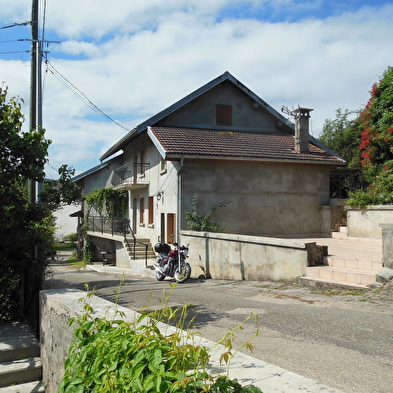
x: 185, y: 252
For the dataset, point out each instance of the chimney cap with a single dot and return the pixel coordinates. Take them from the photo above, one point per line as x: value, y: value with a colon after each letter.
x: 302, y: 112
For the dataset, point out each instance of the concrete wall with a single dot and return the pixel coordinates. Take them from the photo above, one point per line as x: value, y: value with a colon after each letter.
x: 202, y: 111
x: 65, y: 224
x: 237, y: 257
x: 56, y: 308
x: 266, y: 199
x: 365, y: 222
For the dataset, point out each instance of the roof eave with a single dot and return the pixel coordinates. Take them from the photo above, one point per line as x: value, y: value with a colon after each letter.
x: 188, y: 98
x: 176, y: 156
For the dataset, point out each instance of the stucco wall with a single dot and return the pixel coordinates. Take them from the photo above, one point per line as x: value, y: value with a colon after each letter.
x: 64, y: 224
x: 265, y: 199
x: 365, y: 222
x: 202, y: 110
x: 237, y: 257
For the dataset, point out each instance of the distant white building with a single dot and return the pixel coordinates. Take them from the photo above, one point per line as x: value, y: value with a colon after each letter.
x: 65, y: 224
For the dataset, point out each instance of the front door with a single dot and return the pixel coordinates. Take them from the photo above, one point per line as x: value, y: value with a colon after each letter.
x: 171, y: 227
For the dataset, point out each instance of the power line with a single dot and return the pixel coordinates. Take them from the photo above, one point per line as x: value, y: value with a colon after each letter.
x: 78, y: 93
x: 17, y: 51
x: 16, y: 24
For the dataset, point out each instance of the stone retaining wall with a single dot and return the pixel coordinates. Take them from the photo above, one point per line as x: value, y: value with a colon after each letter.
x: 241, y: 257
x: 365, y: 222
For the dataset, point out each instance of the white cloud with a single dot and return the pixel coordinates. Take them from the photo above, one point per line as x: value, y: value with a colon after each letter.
x: 143, y: 56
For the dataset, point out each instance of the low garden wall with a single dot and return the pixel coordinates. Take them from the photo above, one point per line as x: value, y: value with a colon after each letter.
x: 366, y: 222
x: 56, y: 336
x: 241, y: 257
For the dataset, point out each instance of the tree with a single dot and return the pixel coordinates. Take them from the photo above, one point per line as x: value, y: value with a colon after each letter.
x: 377, y: 120
x: 342, y: 135
x: 377, y: 145
x: 26, y: 231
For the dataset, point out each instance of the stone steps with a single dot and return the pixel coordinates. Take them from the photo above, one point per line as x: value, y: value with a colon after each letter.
x: 20, y: 364
x: 140, y: 249
x: 341, y: 232
x: 345, y: 272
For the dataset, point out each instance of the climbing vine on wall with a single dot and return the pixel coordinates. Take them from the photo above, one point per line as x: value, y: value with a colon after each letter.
x: 107, y: 201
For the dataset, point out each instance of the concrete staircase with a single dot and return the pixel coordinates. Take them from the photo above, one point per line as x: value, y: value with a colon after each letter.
x: 20, y: 364
x: 341, y: 231
x: 140, y: 250
x: 354, y: 269
x: 344, y: 272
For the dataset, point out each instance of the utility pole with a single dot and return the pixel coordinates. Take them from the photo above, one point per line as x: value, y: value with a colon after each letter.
x: 34, y: 81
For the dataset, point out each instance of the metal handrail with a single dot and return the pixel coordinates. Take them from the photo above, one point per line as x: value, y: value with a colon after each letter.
x: 135, y: 173
x: 115, y: 225
x: 128, y: 226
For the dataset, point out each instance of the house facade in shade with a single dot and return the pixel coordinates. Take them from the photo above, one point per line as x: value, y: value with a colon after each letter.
x: 222, y: 143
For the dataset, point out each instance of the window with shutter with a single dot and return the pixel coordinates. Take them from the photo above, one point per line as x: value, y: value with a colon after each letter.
x: 223, y: 115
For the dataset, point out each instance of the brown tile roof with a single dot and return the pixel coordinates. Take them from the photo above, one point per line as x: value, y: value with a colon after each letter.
x: 236, y: 144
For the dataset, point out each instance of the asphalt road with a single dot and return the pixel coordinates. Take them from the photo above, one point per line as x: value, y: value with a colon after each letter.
x: 343, y: 340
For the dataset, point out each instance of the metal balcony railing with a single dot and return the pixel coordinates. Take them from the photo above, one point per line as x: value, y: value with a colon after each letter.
x: 131, y: 175
x: 116, y: 226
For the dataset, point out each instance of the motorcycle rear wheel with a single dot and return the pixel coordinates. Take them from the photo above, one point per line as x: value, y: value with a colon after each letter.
x: 159, y: 275
x: 183, y: 273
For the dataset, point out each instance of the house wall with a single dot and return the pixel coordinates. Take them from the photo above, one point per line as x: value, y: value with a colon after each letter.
x: 101, y: 178
x: 265, y: 199
x: 202, y: 110
x: 160, y: 180
x: 64, y: 224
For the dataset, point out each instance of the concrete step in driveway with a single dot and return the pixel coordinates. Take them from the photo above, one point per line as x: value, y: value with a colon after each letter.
x: 30, y: 387
x: 20, y: 371
x: 345, y: 272
x: 20, y: 364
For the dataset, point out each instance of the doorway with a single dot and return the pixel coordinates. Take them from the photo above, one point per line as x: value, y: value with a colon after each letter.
x: 171, y: 227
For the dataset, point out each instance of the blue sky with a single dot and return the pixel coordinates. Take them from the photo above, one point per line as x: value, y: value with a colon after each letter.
x: 132, y: 58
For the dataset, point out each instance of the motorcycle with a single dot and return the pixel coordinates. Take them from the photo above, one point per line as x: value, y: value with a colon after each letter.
x: 172, y: 263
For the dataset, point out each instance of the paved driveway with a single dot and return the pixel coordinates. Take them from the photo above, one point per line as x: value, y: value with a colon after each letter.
x: 343, y: 340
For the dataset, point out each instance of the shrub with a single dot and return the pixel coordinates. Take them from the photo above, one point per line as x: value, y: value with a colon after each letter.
x: 118, y: 356
x: 202, y: 222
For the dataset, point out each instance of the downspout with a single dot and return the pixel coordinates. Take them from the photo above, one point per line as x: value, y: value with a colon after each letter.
x: 179, y: 204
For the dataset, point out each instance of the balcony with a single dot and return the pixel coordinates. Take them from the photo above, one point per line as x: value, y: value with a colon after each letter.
x: 131, y: 176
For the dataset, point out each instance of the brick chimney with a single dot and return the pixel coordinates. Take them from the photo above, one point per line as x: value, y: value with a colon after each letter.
x: 302, y: 116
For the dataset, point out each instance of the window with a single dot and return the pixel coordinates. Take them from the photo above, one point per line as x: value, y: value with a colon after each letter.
x: 151, y: 210
x: 142, y: 210
x: 223, y: 115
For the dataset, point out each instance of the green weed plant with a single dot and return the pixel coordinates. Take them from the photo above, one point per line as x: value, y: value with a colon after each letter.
x: 112, y: 355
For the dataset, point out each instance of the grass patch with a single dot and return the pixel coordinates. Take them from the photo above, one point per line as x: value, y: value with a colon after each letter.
x: 75, y: 262
x: 64, y: 246
x: 340, y: 292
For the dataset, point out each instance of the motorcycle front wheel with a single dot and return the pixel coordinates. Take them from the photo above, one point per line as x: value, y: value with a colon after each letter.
x: 159, y: 275
x: 183, y: 273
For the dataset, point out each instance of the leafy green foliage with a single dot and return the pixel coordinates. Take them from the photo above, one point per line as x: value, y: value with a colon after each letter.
x: 61, y: 191
x: 378, y: 193
x: 112, y: 203
x: 342, y: 135
x: 118, y: 356
x: 88, y: 250
x: 377, y: 145
x: 377, y: 121
x: 26, y: 229
x: 202, y: 222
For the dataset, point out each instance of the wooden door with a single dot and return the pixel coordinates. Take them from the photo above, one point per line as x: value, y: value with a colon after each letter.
x: 170, y: 227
